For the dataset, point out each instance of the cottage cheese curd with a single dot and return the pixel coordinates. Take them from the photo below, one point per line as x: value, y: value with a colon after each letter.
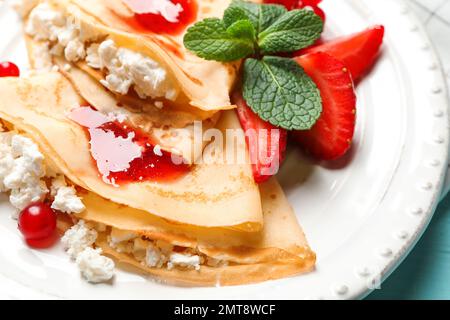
x: 21, y: 169
x: 94, y: 267
x: 78, y: 238
x: 182, y: 260
x: 153, y: 254
x: 118, y: 236
x: 78, y: 242
x: 66, y: 199
x: 154, y: 257
x: 125, y: 68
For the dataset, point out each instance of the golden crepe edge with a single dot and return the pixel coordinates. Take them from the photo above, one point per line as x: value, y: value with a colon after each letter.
x: 278, y: 251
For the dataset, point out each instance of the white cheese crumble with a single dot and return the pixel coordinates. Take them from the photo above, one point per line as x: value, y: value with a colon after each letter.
x: 118, y: 236
x: 124, y: 68
x: 58, y: 182
x: 157, y: 253
x: 21, y: 170
x: 92, y: 57
x: 65, y: 197
x: 44, y: 23
x: 182, y: 260
x: 128, y: 68
x: 94, y: 267
x: 78, y: 238
x: 153, y: 257
x: 47, y: 24
x: 78, y: 242
x: 67, y: 201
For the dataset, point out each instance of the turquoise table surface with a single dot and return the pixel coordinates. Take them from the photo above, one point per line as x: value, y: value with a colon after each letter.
x: 425, y: 273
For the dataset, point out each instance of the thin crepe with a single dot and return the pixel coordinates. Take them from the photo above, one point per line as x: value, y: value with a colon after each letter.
x: 204, y: 84
x: 173, y: 130
x: 210, y: 195
x: 278, y: 251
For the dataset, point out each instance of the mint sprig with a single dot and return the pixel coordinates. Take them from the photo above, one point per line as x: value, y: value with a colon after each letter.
x: 275, y: 88
x: 262, y: 16
x: 281, y: 93
x: 293, y: 31
x: 210, y: 40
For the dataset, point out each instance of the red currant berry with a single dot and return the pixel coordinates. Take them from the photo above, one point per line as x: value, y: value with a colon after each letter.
x: 37, y: 222
x: 9, y: 69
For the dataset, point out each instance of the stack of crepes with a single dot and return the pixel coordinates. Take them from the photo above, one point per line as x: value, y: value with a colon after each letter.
x: 242, y: 232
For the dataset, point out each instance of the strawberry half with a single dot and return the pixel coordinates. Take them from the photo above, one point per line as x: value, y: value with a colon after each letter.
x: 358, y: 51
x: 330, y: 138
x: 266, y: 143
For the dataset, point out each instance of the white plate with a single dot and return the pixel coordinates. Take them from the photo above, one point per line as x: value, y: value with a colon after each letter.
x: 361, y: 216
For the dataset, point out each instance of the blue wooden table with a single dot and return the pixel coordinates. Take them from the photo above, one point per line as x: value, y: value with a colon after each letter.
x: 425, y: 273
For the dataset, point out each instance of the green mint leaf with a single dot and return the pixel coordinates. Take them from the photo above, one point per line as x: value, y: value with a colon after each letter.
x: 242, y: 29
x: 234, y: 14
x: 279, y: 91
x: 294, y: 30
x: 210, y: 40
x: 262, y: 16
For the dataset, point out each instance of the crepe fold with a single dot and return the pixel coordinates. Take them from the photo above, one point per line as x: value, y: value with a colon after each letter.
x: 204, y: 86
x: 278, y: 250
x: 213, y: 194
x: 241, y: 232
x: 172, y: 129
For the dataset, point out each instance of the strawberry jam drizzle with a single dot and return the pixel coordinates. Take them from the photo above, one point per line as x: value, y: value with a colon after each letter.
x: 158, y: 24
x: 152, y: 164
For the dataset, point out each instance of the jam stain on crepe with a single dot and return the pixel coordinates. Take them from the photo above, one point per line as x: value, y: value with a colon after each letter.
x: 170, y: 17
x: 125, y: 154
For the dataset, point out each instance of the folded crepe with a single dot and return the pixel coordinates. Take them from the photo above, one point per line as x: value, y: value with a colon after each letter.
x: 173, y: 130
x: 212, y: 227
x: 213, y: 194
x: 96, y: 34
x: 221, y: 257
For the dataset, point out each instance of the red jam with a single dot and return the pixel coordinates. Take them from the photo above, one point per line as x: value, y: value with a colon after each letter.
x: 125, y: 154
x: 9, y: 69
x: 150, y: 166
x: 37, y: 223
x: 172, y: 24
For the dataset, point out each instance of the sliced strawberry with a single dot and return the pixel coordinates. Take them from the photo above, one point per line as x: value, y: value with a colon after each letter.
x: 266, y: 143
x: 331, y: 136
x: 358, y: 51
